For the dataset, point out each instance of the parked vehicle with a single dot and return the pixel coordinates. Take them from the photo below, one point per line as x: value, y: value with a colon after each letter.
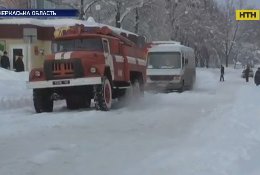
x: 251, y: 73
x: 171, y: 66
x: 257, y: 77
x: 238, y: 65
x: 99, y: 63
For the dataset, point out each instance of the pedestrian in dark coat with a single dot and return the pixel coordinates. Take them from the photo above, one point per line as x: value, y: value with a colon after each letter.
x: 19, y: 65
x: 247, y: 73
x: 222, y: 72
x: 5, y: 63
x: 257, y: 77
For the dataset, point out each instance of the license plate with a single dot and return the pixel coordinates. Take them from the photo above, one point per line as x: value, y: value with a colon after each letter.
x: 61, y: 82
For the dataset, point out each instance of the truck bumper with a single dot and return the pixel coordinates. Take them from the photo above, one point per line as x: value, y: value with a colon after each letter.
x: 64, y: 83
x: 163, y: 86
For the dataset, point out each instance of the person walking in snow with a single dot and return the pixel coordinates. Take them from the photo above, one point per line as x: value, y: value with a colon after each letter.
x: 247, y: 73
x: 5, y: 63
x: 19, y: 65
x: 257, y: 77
x: 222, y: 72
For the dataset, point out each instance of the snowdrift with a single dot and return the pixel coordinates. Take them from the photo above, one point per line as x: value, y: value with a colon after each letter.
x: 13, y: 91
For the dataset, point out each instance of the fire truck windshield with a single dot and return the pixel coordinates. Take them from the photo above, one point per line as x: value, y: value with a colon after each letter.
x: 86, y: 44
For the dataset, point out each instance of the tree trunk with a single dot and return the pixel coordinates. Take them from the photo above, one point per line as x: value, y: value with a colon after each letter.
x: 136, y: 20
x: 227, y: 58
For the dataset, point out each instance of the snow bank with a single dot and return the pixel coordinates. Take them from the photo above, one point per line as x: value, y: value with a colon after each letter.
x: 10, y: 75
x: 13, y: 91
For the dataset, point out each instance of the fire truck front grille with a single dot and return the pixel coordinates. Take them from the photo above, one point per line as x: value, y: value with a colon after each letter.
x: 161, y: 78
x: 62, y: 69
x: 65, y: 68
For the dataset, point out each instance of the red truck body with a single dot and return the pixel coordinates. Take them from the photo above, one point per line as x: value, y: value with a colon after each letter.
x: 89, y: 63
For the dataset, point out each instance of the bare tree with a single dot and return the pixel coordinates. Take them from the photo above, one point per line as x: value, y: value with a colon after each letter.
x: 202, y: 24
x: 231, y: 27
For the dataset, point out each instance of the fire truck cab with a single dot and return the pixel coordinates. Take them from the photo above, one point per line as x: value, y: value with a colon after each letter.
x: 89, y: 63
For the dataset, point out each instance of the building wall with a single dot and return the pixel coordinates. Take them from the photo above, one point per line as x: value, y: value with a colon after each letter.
x: 44, y: 49
x: 15, y: 3
x: 16, y: 31
x: 34, y: 51
x: 34, y: 55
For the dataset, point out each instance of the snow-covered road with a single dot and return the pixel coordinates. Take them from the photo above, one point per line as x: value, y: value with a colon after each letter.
x: 210, y: 130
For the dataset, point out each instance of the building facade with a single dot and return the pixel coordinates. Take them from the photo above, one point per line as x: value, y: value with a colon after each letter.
x: 15, y: 4
x: 31, y: 41
x: 31, y: 37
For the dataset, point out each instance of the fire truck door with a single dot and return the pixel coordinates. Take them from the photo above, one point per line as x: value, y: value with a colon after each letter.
x: 108, y: 56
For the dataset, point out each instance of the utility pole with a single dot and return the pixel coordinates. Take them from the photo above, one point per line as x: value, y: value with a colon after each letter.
x: 81, y: 15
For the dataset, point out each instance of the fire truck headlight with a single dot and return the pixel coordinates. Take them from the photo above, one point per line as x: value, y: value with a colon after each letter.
x: 37, y: 74
x: 93, y: 70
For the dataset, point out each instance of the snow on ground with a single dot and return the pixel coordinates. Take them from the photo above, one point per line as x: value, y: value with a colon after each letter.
x: 210, y: 130
x: 13, y: 92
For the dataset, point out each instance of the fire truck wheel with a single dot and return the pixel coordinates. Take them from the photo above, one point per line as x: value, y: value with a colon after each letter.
x: 42, y: 101
x: 103, y: 96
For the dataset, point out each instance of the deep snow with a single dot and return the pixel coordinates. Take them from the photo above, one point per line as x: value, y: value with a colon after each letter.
x: 210, y: 130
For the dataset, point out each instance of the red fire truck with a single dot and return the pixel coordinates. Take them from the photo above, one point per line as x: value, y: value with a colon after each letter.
x: 86, y: 63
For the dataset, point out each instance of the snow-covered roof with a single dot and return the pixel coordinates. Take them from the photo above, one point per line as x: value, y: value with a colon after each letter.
x: 41, y: 22
x: 165, y: 48
x: 59, y: 22
x: 166, y: 42
x: 168, y: 46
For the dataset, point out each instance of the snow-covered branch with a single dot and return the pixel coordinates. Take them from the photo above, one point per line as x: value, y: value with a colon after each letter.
x: 88, y: 5
x: 130, y: 9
